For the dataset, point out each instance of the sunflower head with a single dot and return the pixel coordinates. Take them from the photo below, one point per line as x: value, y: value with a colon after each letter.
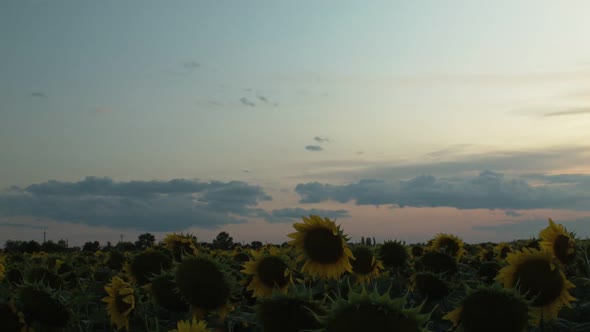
x: 394, y: 254
x: 11, y: 319
x: 556, y: 239
x: 448, y: 244
x: 181, y: 244
x: 288, y: 313
x: 417, y: 250
x: 365, y: 266
x: 322, y: 245
x: 269, y: 271
x: 204, y: 283
x: 115, y: 260
x: 42, y: 306
x: 366, y: 311
x: 437, y: 262
x: 535, y: 274
x: 429, y: 286
x: 120, y: 302
x: 487, y: 271
x: 191, y: 326
x: 502, y: 250
x: 47, y: 277
x: 147, y: 264
x: 163, y: 290
x: 491, y: 309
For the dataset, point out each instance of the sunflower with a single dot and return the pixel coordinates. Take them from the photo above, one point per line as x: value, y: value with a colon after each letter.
x: 502, y: 250
x: 365, y: 266
x: 492, y: 309
x: 448, y: 244
x: 11, y: 319
x: 373, y: 312
x: 205, y: 284
x: 43, y: 306
x: 323, y: 247
x: 535, y: 274
x: 558, y: 241
x: 120, y: 302
x: 180, y: 244
x: 269, y: 272
x: 394, y: 254
x: 291, y: 312
x: 192, y: 326
x: 429, y: 285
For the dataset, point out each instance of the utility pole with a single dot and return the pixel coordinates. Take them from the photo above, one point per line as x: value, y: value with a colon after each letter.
x: 44, y: 234
x: 121, y: 239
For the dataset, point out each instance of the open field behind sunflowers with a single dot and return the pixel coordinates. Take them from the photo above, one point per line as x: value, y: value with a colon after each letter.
x: 318, y: 281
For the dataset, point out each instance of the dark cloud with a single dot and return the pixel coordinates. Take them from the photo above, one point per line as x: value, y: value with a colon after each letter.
x: 288, y: 214
x: 321, y: 139
x: 246, y: 102
x: 17, y: 225
x: 147, y: 205
x: 530, y: 228
x: 488, y: 190
x: 38, y: 95
x: 571, y: 111
x: 511, y: 213
x: 313, y: 148
x: 263, y: 99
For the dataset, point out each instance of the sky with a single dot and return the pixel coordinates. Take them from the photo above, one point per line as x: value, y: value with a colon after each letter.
x: 399, y: 119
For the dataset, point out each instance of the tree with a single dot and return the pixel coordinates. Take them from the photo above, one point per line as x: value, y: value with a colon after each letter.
x: 223, y: 241
x: 256, y: 245
x: 91, y: 246
x: 145, y: 240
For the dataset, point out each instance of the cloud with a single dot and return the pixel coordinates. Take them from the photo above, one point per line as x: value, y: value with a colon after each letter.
x: 288, y: 214
x: 506, y: 161
x: 263, y: 99
x: 38, y: 95
x: 321, y: 139
x: 17, y: 225
x: 103, y: 110
x: 488, y: 190
x: 511, y: 213
x: 571, y: 111
x: 147, y: 205
x: 246, y: 102
x: 313, y: 148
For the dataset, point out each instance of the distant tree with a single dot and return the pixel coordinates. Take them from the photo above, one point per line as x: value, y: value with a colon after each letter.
x: 125, y: 246
x: 13, y: 246
x: 91, y: 246
x: 31, y: 246
x: 50, y: 246
x: 145, y: 240
x: 362, y: 240
x: 223, y: 241
x: 256, y: 244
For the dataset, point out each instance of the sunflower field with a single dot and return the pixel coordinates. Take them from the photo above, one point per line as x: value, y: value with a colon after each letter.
x: 318, y: 281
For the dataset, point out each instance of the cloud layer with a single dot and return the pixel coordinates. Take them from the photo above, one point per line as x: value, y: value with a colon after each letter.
x: 147, y: 205
x: 487, y: 190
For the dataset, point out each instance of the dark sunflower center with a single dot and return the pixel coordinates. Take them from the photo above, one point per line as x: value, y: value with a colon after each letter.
x: 491, y: 311
x: 488, y: 255
x: 271, y: 271
x: 363, y: 263
x: 449, y: 246
x: 540, y: 283
x: 121, y: 305
x: 369, y: 317
x: 430, y: 286
x: 561, y: 246
x: 322, y: 246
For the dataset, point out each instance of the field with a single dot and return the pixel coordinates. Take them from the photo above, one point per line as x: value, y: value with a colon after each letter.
x: 317, y: 281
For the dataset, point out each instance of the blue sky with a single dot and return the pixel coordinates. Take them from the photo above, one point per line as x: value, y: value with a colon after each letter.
x: 444, y: 108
